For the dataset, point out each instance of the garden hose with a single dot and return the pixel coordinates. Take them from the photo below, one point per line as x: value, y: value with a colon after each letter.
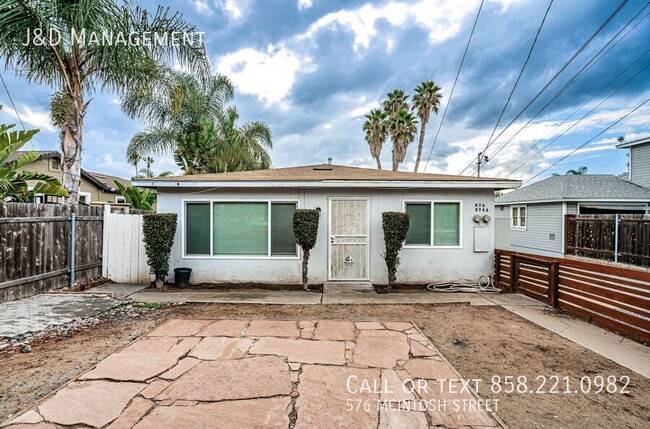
x: 485, y: 284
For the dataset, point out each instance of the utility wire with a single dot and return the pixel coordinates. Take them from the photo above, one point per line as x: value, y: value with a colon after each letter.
x: 12, y: 101
x: 574, y: 112
x: 555, y: 76
x: 588, y: 141
x: 597, y: 57
x: 444, y: 113
x: 521, y: 72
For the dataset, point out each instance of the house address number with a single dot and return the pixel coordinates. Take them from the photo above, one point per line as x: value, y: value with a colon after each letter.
x: 480, y: 207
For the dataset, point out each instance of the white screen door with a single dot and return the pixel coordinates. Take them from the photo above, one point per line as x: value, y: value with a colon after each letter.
x: 348, y: 255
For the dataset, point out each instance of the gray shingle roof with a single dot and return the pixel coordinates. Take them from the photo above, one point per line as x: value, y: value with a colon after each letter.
x: 578, y: 187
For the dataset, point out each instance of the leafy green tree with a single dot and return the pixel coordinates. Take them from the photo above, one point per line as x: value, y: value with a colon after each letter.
x: 376, y: 131
x: 30, y: 43
x: 13, y: 183
x: 141, y: 199
x: 426, y: 100
x: 402, y: 128
x: 305, y: 228
x: 395, y: 101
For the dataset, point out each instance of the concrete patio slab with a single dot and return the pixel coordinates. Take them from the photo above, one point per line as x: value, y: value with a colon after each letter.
x: 265, y: 381
x: 231, y: 297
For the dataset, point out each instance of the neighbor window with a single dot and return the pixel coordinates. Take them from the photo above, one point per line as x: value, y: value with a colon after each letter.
x: 240, y: 228
x: 434, y: 224
x: 518, y: 217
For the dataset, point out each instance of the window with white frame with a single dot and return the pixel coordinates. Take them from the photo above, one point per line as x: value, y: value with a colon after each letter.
x: 518, y: 217
x: 84, y: 197
x: 240, y: 228
x: 433, y: 223
x: 120, y: 199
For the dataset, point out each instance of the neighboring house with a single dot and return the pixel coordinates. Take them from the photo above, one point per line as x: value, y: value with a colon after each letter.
x: 531, y: 219
x: 95, y: 187
x: 238, y: 227
x: 639, y: 168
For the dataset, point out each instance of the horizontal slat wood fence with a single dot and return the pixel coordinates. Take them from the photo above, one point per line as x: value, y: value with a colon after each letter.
x: 611, y: 296
x: 35, y: 247
x: 620, y: 238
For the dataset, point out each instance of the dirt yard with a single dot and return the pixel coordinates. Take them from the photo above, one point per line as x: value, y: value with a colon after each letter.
x: 481, y: 342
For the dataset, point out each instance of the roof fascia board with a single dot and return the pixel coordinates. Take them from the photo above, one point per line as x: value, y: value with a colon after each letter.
x: 324, y: 184
x: 576, y: 200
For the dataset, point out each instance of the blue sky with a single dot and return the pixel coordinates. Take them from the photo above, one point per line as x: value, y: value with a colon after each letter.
x: 312, y: 68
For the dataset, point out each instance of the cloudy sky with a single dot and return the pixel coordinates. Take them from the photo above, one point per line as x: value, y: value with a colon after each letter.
x: 312, y: 68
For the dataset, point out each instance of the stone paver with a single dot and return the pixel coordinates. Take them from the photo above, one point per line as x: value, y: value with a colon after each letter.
x: 335, y: 330
x: 381, y: 348
x: 324, y: 395
x: 273, y: 328
x: 247, y: 414
x: 254, y: 377
x: 304, y: 351
x: 262, y: 374
x: 93, y: 403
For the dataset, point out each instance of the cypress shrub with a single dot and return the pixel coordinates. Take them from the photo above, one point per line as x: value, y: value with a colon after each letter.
x: 395, y: 225
x: 305, y: 228
x: 159, y: 231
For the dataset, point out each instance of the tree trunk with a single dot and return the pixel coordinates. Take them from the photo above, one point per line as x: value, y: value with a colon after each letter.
x: 378, y: 163
x: 71, y: 145
x: 160, y: 281
x: 395, y: 154
x: 420, y: 144
x: 305, y: 261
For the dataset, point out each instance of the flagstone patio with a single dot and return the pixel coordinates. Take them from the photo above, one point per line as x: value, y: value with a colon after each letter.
x: 266, y: 374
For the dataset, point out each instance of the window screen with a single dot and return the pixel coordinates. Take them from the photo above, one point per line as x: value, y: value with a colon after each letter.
x: 419, y: 232
x: 446, y: 224
x: 240, y: 229
x: 197, y: 229
x: 283, y: 241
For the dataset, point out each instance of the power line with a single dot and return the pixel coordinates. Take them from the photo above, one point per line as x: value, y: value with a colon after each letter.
x: 576, y: 111
x: 12, y: 101
x: 580, y: 73
x: 555, y: 76
x: 588, y: 141
x: 521, y: 72
x: 444, y: 113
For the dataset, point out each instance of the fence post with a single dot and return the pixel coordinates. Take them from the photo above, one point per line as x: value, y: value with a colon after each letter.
x: 553, y: 283
x: 618, y: 218
x: 73, y: 241
x: 497, y: 267
x: 105, y: 232
x: 514, y: 272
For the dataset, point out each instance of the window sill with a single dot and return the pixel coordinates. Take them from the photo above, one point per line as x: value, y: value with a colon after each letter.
x: 415, y: 246
x: 242, y: 257
x: 518, y: 228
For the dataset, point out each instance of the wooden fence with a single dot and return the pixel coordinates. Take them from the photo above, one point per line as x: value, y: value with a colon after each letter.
x: 618, y: 238
x: 611, y: 296
x: 125, y: 260
x: 36, y: 247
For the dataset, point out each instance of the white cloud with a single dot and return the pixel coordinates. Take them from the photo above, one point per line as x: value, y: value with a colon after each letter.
x: 305, y: 4
x: 202, y: 7
x: 268, y: 75
x: 32, y: 117
x: 235, y: 10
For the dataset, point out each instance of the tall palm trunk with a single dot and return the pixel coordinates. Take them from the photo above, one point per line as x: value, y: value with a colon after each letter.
x: 395, y: 153
x: 378, y: 163
x: 420, y: 145
x: 71, y: 146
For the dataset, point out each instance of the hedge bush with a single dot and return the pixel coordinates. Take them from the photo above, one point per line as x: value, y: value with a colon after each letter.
x: 305, y: 228
x: 395, y: 225
x: 159, y: 231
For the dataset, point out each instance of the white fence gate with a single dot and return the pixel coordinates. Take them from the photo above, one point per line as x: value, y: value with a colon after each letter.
x: 124, y: 260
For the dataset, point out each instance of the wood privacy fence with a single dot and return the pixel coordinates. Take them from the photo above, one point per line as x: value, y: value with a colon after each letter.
x: 125, y: 260
x: 37, y: 243
x: 611, y: 296
x: 618, y: 238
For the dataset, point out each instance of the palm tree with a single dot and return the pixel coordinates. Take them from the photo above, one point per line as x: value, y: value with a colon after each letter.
x: 243, y: 147
x: 426, y: 99
x: 579, y: 171
x: 76, y: 68
x: 14, y: 183
x: 395, y: 101
x: 376, y: 130
x: 402, y: 128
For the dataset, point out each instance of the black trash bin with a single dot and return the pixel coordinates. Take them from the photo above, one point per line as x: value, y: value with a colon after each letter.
x: 182, y: 276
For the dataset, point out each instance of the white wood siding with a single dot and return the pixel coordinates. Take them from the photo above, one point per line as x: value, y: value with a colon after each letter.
x: 542, y: 221
x: 125, y: 259
x: 640, y: 164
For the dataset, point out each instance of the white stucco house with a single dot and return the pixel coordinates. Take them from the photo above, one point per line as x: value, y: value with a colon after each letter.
x: 237, y: 227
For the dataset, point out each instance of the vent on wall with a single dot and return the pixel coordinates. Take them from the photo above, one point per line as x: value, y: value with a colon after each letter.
x: 55, y: 164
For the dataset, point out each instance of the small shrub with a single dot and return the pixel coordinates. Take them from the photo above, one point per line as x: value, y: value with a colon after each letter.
x: 159, y: 231
x: 305, y: 228
x: 395, y: 225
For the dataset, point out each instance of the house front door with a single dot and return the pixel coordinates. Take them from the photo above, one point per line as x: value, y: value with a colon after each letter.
x: 348, y: 231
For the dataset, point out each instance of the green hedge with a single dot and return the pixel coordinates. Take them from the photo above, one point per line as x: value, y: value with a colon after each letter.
x: 159, y: 231
x: 305, y: 228
x: 395, y: 225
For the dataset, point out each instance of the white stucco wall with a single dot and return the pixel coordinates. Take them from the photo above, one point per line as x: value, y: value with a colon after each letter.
x: 417, y: 266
